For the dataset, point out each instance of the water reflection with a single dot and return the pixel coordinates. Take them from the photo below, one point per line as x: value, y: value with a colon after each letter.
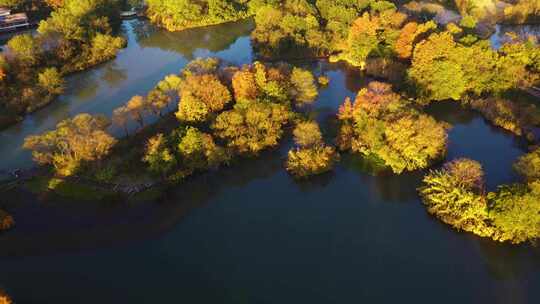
x: 107, y: 86
x: 114, y: 76
x: 186, y: 43
x: 522, y: 31
x: 450, y: 112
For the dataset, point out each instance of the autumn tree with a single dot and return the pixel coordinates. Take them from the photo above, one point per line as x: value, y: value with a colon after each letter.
x: 81, y: 139
x: 176, y: 15
x: 515, y: 212
x: 445, y: 69
x: 528, y: 165
x: 157, y: 101
x: 6, y: 222
x: 311, y: 156
x: 252, y: 126
x: 409, y: 36
x: 381, y: 124
x: 372, y: 35
x: 4, y: 297
x: 158, y: 155
x: 456, y: 195
x: 458, y: 203
x: 51, y: 81
x: 307, y: 134
x: 304, y: 86
x: 244, y: 85
x: 201, y: 95
x: 25, y: 48
x: 198, y: 151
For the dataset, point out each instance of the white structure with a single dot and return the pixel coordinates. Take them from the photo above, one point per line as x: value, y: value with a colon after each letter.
x: 11, y: 22
x: 4, y: 11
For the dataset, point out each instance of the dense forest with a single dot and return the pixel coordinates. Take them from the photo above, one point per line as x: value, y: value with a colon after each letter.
x: 213, y: 113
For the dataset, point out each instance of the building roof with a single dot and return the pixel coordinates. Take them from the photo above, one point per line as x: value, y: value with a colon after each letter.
x: 4, y: 11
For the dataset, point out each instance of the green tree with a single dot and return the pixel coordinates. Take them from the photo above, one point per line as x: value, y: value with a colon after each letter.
x: 528, y: 165
x: 158, y: 155
x: 515, y: 212
x: 51, y: 81
x: 457, y: 203
x: 199, y: 151
x: 25, y: 48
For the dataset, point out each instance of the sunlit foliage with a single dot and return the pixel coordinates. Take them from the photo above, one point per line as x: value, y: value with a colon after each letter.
x: 4, y: 298
x: 445, y: 69
x: 252, y: 126
x: 158, y: 155
x: 515, y: 212
x: 311, y: 156
x: 25, y: 48
x: 410, y: 34
x: 304, y: 85
x: 307, y: 134
x: 51, y: 81
x: 198, y: 150
x: 381, y: 123
x: 373, y: 35
x: 455, y: 194
x: 74, y: 141
x: 200, y: 96
x: 528, y: 165
x: 314, y: 28
x: 175, y: 15
x: 457, y: 202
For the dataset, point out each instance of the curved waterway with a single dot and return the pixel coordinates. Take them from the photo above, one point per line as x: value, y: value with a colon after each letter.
x: 249, y: 233
x: 151, y: 54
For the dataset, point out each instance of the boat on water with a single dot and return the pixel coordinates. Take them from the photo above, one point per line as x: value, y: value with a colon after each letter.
x: 128, y: 14
x: 12, y: 22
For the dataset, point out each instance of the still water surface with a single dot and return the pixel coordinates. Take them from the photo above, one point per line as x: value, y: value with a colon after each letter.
x: 250, y: 233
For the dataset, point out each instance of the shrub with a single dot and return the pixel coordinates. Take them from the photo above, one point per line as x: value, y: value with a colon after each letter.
x: 528, y: 165
x: 457, y: 203
x: 303, y: 162
x: 6, y: 222
x: 323, y: 80
x: 307, y: 134
x: 4, y: 298
x: 515, y: 212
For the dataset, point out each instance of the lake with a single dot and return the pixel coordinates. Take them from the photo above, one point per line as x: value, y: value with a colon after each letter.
x: 249, y: 233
